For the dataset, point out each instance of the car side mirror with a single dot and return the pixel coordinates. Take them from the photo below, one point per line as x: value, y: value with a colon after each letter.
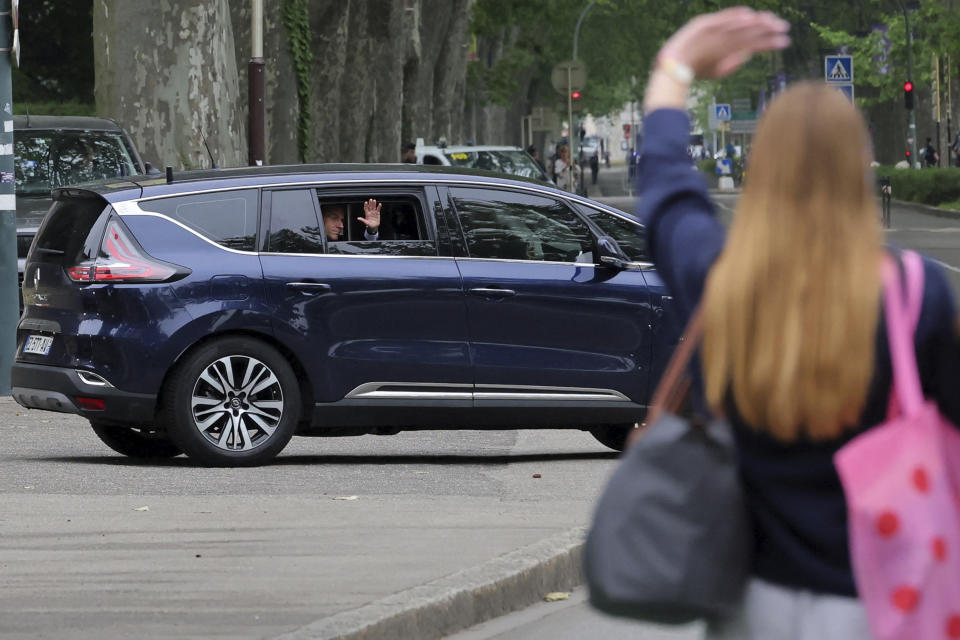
x: 611, y: 255
x: 151, y: 170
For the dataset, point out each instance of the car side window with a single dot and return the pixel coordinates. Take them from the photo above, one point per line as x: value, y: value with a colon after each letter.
x: 631, y: 236
x: 402, y: 231
x: 518, y: 226
x: 228, y: 218
x: 294, y: 227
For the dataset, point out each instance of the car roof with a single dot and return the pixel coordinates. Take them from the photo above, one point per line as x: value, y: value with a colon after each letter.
x: 184, y: 182
x: 466, y: 148
x: 118, y: 189
x: 85, y: 123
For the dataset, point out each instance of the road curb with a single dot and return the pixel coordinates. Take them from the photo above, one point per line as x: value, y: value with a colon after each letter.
x: 934, y: 211
x: 510, y: 582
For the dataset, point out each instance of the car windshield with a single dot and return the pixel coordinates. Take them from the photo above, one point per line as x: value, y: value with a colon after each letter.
x: 513, y: 162
x: 45, y: 160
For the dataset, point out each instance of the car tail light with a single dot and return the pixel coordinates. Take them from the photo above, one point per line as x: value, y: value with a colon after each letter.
x: 122, y: 260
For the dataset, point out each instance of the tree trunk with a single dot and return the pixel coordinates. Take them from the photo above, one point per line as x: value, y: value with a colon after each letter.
x: 167, y: 70
x: 449, y: 86
x: 329, y: 22
x: 419, y: 69
x: 387, y: 42
x: 357, y: 96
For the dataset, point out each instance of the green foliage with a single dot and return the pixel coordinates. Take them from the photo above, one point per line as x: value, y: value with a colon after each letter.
x: 56, y: 60
x: 928, y: 186
x: 71, y: 108
x: 295, y: 15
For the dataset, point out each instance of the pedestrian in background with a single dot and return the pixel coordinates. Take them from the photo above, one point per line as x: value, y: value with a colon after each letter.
x: 930, y: 155
x: 793, y: 351
x: 594, y: 166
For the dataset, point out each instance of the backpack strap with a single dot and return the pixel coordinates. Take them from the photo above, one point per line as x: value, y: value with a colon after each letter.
x: 902, y: 306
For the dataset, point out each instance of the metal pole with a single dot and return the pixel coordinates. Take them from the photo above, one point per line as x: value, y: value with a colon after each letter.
x: 936, y: 104
x: 946, y: 73
x: 570, y: 128
x: 256, y: 89
x: 574, y: 146
x: 912, y: 131
x: 9, y: 302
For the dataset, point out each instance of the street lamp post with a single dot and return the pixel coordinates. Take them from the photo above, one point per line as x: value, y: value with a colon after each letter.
x: 256, y: 89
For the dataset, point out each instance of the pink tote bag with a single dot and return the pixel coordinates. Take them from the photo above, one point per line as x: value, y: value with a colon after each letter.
x: 902, y: 484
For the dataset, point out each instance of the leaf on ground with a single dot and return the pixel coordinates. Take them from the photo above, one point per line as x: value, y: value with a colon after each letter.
x: 141, y: 509
x: 556, y: 596
x: 346, y: 497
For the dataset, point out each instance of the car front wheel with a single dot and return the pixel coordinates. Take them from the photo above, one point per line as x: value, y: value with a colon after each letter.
x: 233, y: 402
x: 135, y: 442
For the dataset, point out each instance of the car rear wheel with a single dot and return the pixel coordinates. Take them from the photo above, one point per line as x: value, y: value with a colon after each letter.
x: 135, y: 442
x: 613, y: 436
x: 232, y: 402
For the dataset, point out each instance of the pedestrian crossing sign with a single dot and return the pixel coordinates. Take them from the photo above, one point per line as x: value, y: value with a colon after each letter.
x: 721, y: 112
x: 838, y: 69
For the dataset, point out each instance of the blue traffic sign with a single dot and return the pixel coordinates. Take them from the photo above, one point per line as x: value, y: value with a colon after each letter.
x: 722, y: 112
x: 838, y: 69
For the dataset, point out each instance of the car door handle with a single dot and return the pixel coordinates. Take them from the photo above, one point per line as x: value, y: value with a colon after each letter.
x: 493, y: 292
x: 309, y: 288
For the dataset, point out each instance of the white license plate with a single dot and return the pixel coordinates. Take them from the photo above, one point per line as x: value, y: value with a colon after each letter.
x: 38, y: 344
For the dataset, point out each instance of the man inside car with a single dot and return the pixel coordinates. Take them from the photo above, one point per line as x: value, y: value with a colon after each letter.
x: 334, y: 215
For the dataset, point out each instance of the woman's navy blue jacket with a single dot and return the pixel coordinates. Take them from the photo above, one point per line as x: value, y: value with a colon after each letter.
x: 794, y: 493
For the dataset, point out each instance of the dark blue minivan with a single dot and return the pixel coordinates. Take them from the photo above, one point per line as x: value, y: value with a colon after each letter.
x: 217, y: 315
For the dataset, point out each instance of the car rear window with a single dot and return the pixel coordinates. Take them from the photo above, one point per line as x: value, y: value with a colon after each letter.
x: 72, y: 230
x: 44, y: 160
x: 228, y: 218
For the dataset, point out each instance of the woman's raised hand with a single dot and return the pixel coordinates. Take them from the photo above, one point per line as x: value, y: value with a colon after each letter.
x: 713, y: 45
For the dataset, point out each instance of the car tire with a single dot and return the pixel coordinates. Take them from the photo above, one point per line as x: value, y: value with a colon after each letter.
x: 613, y: 436
x: 135, y: 442
x: 232, y: 402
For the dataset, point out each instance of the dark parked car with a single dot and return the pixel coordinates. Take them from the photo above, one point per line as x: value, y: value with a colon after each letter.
x: 212, y: 315
x: 56, y: 151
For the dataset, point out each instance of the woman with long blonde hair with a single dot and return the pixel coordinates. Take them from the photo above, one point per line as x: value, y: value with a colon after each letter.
x: 793, y: 351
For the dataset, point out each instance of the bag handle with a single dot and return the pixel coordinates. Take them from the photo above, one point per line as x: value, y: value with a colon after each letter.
x: 902, y: 311
x: 675, y: 384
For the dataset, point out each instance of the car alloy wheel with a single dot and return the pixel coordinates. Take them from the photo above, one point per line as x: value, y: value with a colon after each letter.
x: 234, y: 401
x: 237, y: 403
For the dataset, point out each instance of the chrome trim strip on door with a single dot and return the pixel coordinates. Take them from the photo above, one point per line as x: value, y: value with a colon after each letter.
x: 446, y: 391
x: 531, y: 392
x: 431, y: 391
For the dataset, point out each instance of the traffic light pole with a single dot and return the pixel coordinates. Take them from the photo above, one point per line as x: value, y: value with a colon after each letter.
x: 912, y: 130
x: 9, y: 303
x: 570, y: 129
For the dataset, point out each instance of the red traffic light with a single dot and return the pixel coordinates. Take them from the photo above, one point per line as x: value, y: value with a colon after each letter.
x: 908, y: 153
x: 908, y: 86
x: 575, y: 95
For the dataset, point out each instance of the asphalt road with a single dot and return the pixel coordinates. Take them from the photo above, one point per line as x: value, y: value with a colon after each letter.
x: 95, y: 546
